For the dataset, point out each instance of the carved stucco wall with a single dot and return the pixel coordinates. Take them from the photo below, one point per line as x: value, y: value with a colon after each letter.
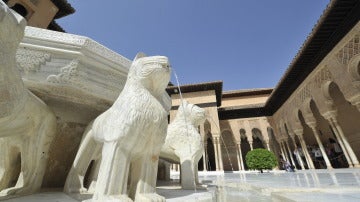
x: 248, y: 125
x: 340, y: 67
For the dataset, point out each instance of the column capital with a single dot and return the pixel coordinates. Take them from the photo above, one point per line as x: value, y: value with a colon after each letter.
x: 216, y: 140
x: 355, y: 100
x: 309, y: 119
x: 298, y: 131
x: 312, y: 124
x: 292, y: 135
x: 330, y: 114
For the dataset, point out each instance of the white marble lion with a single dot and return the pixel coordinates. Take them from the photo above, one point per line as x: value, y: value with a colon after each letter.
x: 27, y: 125
x: 132, y: 131
x: 183, y: 143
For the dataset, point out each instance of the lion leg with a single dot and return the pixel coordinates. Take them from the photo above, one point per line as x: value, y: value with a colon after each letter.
x: 75, y: 180
x: 187, y: 174
x: 18, y: 178
x: 34, y: 157
x: 196, y: 176
x: 110, y: 181
x: 119, y: 175
x: 143, y: 179
x: 9, y: 165
x: 95, y: 171
x: 14, y: 165
x: 4, y: 165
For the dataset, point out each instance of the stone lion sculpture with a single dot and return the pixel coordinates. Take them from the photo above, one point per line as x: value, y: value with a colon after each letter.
x: 183, y: 143
x: 27, y: 125
x: 131, y: 131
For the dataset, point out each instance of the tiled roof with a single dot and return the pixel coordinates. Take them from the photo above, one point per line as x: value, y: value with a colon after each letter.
x: 247, y: 92
x: 55, y: 27
x: 338, y: 19
x: 65, y: 8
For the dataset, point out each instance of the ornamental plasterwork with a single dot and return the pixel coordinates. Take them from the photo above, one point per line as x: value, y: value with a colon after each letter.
x: 109, y: 54
x: 75, y: 40
x: 30, y: 60
x: 48, y: 35
x: 304, y: 94
x: 293, y: 104
x: 254, y: 123
x: 350, y: 49
x: 321, y: 76
x: 35, y: 2
x: 66, y: 74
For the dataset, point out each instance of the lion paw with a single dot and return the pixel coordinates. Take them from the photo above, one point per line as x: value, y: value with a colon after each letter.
x: 16, y: 191
x: 111, y: 198
x: 153, y: 197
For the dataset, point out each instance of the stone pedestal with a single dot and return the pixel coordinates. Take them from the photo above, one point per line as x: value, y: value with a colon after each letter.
x: 78, y: 79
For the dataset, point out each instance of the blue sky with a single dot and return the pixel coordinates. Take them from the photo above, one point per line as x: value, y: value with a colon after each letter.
x: 246, y: 44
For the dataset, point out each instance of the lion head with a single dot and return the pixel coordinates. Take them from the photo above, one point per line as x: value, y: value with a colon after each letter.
x: 152, y: 72
x: 191, y: 113
x: 12, y: 27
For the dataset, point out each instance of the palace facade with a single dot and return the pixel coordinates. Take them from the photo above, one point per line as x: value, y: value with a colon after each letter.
x: 311, y: 118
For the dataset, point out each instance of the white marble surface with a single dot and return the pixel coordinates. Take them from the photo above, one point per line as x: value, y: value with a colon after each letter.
x: 44, y: 197
x: 340, y: 185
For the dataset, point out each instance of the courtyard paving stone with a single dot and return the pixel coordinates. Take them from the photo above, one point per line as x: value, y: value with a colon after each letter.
x: 301, y: 186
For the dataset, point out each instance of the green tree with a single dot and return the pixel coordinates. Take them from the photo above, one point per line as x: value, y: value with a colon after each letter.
x: 260, y: 159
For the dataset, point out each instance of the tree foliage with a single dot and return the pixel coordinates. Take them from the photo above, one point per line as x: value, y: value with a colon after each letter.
x: 260, y: 159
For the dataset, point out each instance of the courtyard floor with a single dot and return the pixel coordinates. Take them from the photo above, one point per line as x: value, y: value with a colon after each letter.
x: 319, y: 185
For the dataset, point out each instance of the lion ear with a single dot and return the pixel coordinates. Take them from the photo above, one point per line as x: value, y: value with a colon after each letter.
x: 139, y: 55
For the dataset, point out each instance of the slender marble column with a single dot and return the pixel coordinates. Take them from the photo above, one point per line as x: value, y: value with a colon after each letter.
x: 241, y: 157
x: 251, y: 145
x: 216, y: 154
x: 220, y: 155
x: 203, y: 135
x: 309, y: 161
x: 343, y: 138
x: 204, y: 157
x: 298, y: 156
x: 219, y: 165
x: 282, y: 151
x: 321, y: 146
x: 341, y: 142
x: 238, y: 155
x: 207, y: 159
x: 267, y: 145
x: 290, y: 153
